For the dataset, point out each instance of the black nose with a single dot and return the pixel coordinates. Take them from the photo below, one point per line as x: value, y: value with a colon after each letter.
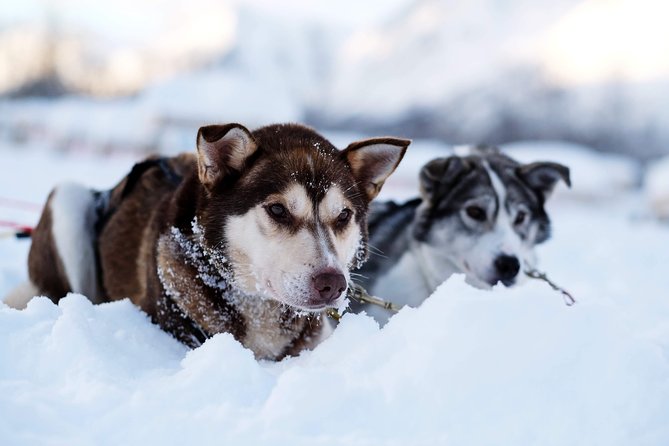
x: 507, y: 267
x: 329, y: 286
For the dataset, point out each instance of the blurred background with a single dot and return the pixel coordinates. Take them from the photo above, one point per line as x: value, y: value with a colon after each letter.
x: 141, y: 76
x: 87, y: 88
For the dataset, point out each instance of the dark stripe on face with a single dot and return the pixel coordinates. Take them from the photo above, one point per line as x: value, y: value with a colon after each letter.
x: 497, y: 198
x: 325, y: 235
x: 519, y: 193
x: 286, y: 155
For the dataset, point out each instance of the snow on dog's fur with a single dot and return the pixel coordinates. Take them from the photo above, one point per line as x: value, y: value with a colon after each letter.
x: 254, y: 236
x: 480, y: 214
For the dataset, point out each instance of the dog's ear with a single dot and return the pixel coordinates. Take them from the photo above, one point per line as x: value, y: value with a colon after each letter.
x: 439, y: 175
x: 373, y: 160
x: 543, y: 176
x: 222, y: 149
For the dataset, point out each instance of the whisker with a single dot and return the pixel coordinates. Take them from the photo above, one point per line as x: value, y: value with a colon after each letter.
x: 373, y: 250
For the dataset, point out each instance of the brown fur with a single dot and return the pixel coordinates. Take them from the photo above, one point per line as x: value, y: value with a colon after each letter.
x: 140, y: 256
x: 44, y: 266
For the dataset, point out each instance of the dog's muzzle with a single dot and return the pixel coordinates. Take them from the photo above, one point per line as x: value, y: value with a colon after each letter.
x: 507, y: 268
x: 327, y: 287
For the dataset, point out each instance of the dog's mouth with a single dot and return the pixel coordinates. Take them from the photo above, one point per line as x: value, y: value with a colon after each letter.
x: 310, y: 305
x: 488, y: 283
x: 315, y: 308
x: 507, y: 282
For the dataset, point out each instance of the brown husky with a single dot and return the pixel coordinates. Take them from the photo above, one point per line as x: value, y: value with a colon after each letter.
x: 254, y: 235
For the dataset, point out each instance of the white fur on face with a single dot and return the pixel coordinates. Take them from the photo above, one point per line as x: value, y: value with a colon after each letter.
x: 268, y: 259
x: 475, y: 253
x: 347, y: 241
x: 478, y: 259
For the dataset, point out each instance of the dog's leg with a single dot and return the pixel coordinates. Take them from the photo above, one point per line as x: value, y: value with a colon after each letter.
x: 19, y: 297
x: 62, y: 255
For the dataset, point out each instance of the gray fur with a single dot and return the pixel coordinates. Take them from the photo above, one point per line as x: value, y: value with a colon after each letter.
x: 417, y: 245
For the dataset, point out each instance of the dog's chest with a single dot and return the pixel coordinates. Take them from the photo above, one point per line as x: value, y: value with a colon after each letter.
x: 404, y: 283
x: 270, y: 329
x: 191, y: 278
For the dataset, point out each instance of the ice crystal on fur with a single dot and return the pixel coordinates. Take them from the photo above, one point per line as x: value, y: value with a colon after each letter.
x: 270, y: 326
x: 196, y: 258
x: 214, y: 271
x: 360, y: 256
x: 211, y: 264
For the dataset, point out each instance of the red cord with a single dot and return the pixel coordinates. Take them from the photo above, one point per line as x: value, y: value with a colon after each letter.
x: 19, y: 204
x: 11, y: 224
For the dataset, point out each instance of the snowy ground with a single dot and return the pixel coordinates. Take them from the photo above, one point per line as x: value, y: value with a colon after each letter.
x: 508, y: 367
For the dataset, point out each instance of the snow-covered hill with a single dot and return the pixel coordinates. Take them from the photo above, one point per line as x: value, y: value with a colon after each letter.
x: 494, y: 71
x: 595, y: 72
x: 513, y: 367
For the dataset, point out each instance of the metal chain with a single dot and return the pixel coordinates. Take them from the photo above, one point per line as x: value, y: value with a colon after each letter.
x: 358, y: 293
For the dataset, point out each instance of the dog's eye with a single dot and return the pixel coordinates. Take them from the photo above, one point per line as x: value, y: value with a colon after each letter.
x: 344, y: 216
x: 277, y: 211
x: 476, y: 213
x: 520, y: 218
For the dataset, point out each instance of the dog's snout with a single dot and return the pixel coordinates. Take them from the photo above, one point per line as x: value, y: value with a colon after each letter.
x: 329, y: 286
x: 507, y: 267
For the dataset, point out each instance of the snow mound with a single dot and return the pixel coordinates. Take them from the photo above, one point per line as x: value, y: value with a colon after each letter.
x: 656, y: 186
x: 468, y: 367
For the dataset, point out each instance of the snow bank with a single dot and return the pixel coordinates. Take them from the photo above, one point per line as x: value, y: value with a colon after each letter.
x: 594, y: 175
x: 656, y: 187
x: 469, y: 367
x: 474, y: 71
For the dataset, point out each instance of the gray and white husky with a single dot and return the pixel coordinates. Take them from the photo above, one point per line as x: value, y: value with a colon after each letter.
x: 480, y: 214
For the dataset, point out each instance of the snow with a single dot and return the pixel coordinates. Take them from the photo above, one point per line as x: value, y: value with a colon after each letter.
x: 512, y: 367
x: 656, y: 186
x: 595, y: 176
x: 476, y: 71
x: 468, y: 367
x: 491, y: 71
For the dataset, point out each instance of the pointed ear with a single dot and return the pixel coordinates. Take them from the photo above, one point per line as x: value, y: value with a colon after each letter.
x: 222, y: 149
x: 543, y: 176
x: 439, y: 175
x: 373, y: 160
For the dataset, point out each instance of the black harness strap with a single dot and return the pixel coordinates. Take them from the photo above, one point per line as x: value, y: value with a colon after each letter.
x: 104, y: 211
x: 140, y: 168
